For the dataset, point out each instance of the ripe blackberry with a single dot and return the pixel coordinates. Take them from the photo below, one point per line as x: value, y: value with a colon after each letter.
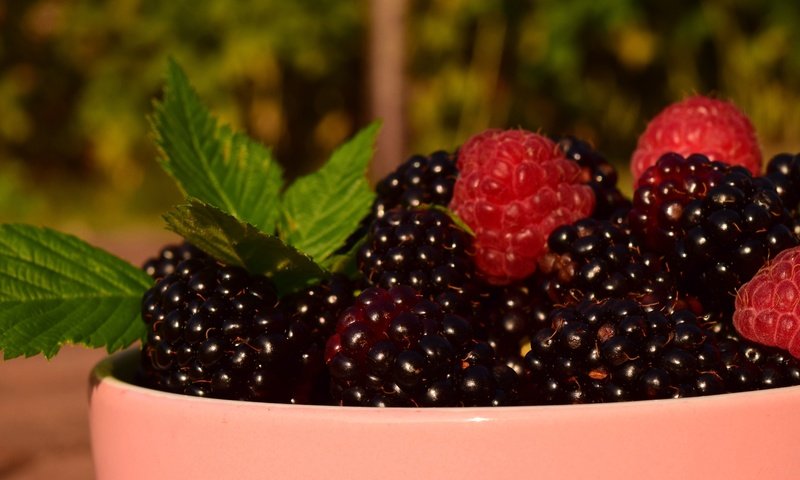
x: 598, y: 173
x: 784, y: 171
x: 169, y: 257
x: 505, y: 315
x: 396, y: 348
x: 594, y: 260
x: 418, y: 181
x: 750, y: 366
x: 318, y: 307
x: 716, y: 224
x: 420, y: 248
x: 615, y: 350
x: 217, y: 331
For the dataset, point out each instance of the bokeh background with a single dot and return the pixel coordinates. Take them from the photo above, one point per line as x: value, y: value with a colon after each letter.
x: 78, y: 77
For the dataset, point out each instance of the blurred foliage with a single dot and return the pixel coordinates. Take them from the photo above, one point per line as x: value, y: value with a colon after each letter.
x: 77, y: 78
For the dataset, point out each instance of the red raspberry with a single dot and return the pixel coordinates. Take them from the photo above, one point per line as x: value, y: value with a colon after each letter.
x: 715, y: 128
x: 513, y: 189
x: 768, y: 306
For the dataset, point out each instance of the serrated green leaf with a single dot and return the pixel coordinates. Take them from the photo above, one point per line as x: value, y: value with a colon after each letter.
x: 320, y: 210
x: 56, y: 289
x: 220, y: 167
x: 237, y: 243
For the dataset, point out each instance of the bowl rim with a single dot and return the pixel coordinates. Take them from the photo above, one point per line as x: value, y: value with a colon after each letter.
x: 115, y: 369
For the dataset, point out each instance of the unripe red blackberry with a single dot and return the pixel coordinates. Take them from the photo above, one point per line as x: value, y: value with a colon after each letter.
x: 615, y: 350
x: 396, y: 348
x: 169, y: 257
x: 220, y: 332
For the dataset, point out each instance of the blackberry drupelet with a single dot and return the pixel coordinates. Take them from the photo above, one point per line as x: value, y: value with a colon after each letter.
x: 715, y: 224
x: 217, y: 331
x: 598, y: 173
x: 169, y: 257
x: 424, y: 249
x: 395, y: 348
x: 750, y: 366
x: 615, y: 351
x: 594, y: 260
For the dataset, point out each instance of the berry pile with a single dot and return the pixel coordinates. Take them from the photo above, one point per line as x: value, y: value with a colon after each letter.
x: 516, y: 272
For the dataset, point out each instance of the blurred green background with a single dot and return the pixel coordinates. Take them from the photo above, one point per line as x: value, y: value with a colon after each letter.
x: 77, y: 81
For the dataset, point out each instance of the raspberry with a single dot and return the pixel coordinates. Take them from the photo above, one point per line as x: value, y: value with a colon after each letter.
x: 715, y: 224
x: 169, y: 257
x: 598, y: 173
x: 513, y: 189
x: 768, y: 306
x: 698, y: 124
x: 594, y: 260
x: 396, y: 348
x: 615, y: 350
x: 219, y: 332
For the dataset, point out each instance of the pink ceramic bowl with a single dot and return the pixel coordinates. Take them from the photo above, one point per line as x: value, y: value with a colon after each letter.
x: 139, y: 433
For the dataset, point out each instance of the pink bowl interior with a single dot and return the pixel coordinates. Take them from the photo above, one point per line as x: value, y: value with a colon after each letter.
x: 141, y: 433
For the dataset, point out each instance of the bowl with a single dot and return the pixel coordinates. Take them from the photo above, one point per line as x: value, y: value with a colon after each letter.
x: 141, y: 433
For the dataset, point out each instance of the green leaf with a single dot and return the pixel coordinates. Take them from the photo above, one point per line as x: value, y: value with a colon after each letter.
x: 56, y: 289
x: 320, y: 210
x: 220, y: 167
x: 236, y: 243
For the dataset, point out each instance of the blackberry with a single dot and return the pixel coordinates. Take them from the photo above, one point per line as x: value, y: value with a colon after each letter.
x: 419, y: 181
x: 615, y: 350
x: 662, y: 194
x: 420, y: 248
x: 318, y: 307
x: 716, y: 224
x: 750, y: 366
x: 395, y: 348
x: 169, y: 257
x: 784, y: 171
x: 594, y: 260
x: 217, y: 331
x: 505, y: 315
x: 598, y: 173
